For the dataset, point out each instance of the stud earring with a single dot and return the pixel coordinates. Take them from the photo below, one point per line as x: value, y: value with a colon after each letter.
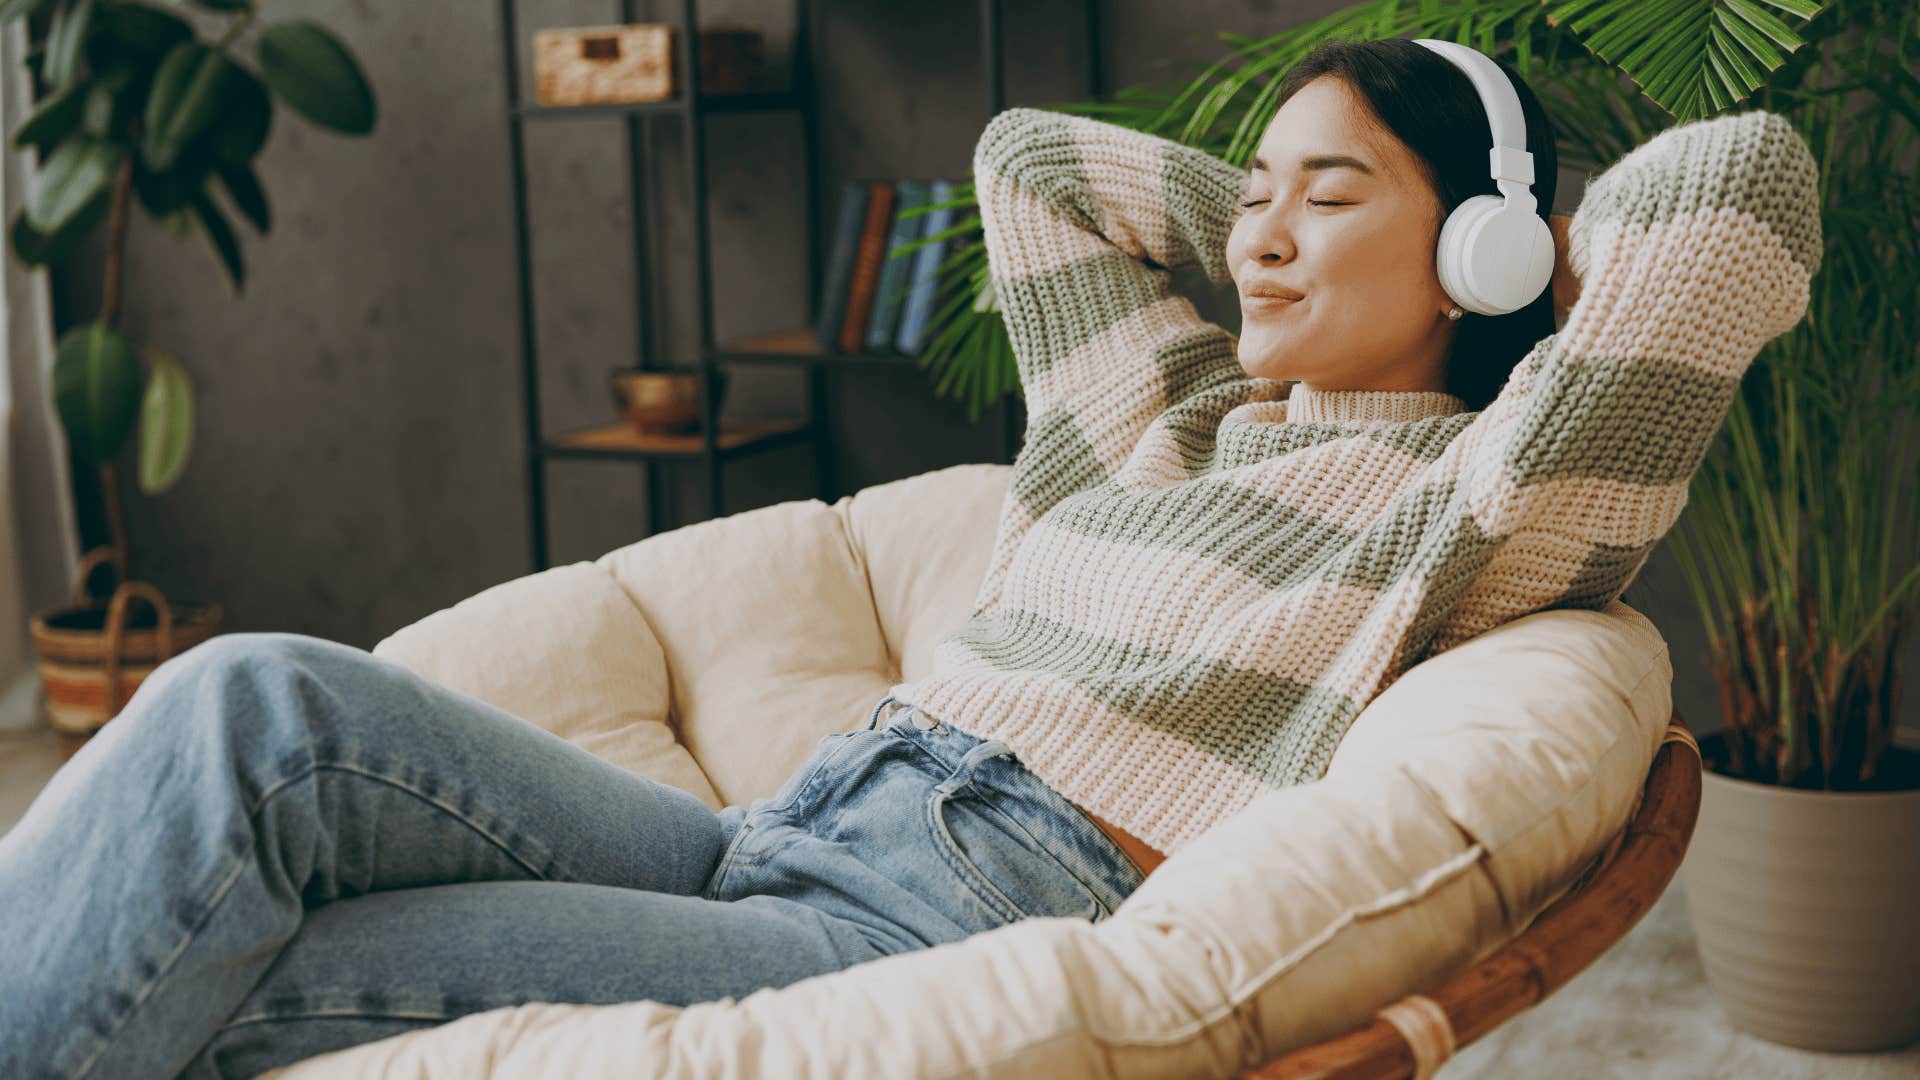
x: 1454, y: 312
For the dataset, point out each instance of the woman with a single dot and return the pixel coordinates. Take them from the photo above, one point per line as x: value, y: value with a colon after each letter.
x: 1215, y: 550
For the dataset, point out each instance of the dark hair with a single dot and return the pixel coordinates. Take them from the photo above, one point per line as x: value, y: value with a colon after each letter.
x: 1432, y: 107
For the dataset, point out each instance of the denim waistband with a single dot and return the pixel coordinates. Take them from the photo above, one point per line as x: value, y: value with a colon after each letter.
x: 1088, y: 852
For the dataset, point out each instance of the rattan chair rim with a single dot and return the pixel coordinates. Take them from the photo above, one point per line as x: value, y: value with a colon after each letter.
x: 1413, y: 1036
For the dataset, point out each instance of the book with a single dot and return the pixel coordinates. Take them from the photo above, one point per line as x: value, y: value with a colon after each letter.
x: 866, y: 265
x: 894, y: 269
x: 839, y: 268
x: 917, y: 310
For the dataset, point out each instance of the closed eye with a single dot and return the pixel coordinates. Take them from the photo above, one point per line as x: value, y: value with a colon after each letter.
x: 1310, y: 202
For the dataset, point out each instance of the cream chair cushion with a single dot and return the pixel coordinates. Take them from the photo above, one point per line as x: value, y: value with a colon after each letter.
x: 1463, y: 801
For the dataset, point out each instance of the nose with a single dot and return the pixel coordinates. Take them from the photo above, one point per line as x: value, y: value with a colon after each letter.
x: 1272, y: 244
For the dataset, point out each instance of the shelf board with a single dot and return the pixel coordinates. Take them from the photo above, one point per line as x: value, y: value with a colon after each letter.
x: 618, y: 440
x: 800, y: 347
x: 709, y: 103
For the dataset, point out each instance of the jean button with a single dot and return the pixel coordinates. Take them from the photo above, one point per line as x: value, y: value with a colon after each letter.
x: 921, y: 720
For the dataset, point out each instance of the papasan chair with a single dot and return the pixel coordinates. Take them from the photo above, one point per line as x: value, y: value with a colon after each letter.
x: 1493, y: 822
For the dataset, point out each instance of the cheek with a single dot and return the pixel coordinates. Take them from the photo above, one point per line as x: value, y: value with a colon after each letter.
x: 1368, y: 250
x: 1236, y: 244
x: 1404, y: 251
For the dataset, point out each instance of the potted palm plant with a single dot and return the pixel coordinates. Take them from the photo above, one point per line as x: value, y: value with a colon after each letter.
x: 1800, y: 543
x: 132, y: 104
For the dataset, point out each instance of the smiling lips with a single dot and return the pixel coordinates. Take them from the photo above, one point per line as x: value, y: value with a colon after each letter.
x: 1268, y: 297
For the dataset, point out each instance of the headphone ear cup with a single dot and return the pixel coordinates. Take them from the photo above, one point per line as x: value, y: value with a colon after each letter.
x: 1454, y: 251
x: 1492, y: 259
x: 1511, y: 260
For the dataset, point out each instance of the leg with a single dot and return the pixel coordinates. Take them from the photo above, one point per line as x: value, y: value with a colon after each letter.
x: 161, y: 871
x: 378, y: 965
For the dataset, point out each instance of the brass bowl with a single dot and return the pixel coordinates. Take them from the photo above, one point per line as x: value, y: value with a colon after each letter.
x: 663, y: 402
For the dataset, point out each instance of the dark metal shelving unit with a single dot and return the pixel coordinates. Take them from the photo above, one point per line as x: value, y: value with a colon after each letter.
x: 711, y: 445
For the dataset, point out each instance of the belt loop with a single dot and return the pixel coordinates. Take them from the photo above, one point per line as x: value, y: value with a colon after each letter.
x: 875, y: 718
x: 963, y: 772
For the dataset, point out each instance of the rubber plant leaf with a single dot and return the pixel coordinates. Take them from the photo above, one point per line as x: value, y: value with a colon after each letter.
x: 166, y: 424
x: 96, y: 389
x: 314, y: 73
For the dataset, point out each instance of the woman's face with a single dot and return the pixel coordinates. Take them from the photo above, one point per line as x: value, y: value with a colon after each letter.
x: 1342, y: 218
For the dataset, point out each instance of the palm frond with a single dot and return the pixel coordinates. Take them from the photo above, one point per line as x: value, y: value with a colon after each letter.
x: 1692, y: 57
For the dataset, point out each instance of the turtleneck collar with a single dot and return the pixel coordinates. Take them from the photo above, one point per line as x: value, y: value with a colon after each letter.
x: 1309, y: 406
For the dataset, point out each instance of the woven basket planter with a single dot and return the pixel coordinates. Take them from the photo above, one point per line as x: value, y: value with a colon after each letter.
x: 93, y: 653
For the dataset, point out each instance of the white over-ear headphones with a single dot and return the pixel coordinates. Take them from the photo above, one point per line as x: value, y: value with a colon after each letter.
x: 1495, y: 253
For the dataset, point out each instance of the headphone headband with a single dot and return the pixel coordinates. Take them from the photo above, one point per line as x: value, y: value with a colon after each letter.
x: 1508, y: 159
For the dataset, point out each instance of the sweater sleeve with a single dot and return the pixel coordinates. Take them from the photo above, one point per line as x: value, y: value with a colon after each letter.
x: 1084, y: 223
x: 1693, y: 250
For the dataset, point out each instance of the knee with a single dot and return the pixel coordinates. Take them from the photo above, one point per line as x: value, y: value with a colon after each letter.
x: 199, y: 686
x: 224, y: 657
x: 182, y: 704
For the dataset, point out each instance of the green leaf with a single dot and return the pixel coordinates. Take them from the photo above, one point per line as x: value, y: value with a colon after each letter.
x: 1750, y: 36
x: 315, y: 74
x: 107, y: 109
x: 58, y: 114
x: 163, y: 193
x: 166, y: 424
x: 246, y: 116
x: 1691, y: 57
x: 96, y: 389
x: 177, y: 223
x: 186, y: 97
x: 35, y: 248
x: 66, y: 35
x: 226, y: 246
x: 134, y: 34
x: 1766, y: 24
x: 77, y: 171
x: 244, y: 187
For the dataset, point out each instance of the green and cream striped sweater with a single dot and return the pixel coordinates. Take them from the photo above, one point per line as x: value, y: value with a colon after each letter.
x: 1200, y: 578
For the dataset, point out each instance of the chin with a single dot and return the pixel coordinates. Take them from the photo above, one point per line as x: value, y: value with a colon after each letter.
x: 1260, y: 363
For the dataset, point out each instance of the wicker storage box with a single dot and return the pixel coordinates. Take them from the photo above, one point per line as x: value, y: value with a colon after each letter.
x: 600, y: 65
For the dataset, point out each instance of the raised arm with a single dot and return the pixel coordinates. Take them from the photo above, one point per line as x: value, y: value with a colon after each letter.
x: 1085, y: 222
x: 1691, y: 253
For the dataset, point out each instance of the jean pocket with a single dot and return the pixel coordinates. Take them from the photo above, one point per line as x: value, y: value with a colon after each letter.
x: 1000, y: 863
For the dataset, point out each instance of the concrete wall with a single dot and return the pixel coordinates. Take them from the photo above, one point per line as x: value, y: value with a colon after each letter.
x: 359, y: 459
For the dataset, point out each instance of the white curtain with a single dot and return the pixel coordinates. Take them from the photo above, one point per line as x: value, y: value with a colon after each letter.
x: 39, y: 539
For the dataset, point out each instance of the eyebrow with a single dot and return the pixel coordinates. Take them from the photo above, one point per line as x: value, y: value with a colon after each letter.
x: 1321, y: 161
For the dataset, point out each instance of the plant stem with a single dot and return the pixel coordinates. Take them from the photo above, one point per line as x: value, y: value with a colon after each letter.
x: 116, y: 518
x: 109, y: 312
x: 116, y: 243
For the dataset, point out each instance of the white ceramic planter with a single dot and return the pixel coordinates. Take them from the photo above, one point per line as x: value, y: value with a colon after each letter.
x: 1806, y: 907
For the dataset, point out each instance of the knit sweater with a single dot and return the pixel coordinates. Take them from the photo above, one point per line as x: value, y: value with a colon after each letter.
x: 1200, y: 578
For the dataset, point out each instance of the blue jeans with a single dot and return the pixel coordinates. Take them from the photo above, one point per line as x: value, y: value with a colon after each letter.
x: 285, y: 845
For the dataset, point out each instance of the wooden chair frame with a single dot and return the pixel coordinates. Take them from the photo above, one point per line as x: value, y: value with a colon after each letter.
x: 1416, y: 1034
